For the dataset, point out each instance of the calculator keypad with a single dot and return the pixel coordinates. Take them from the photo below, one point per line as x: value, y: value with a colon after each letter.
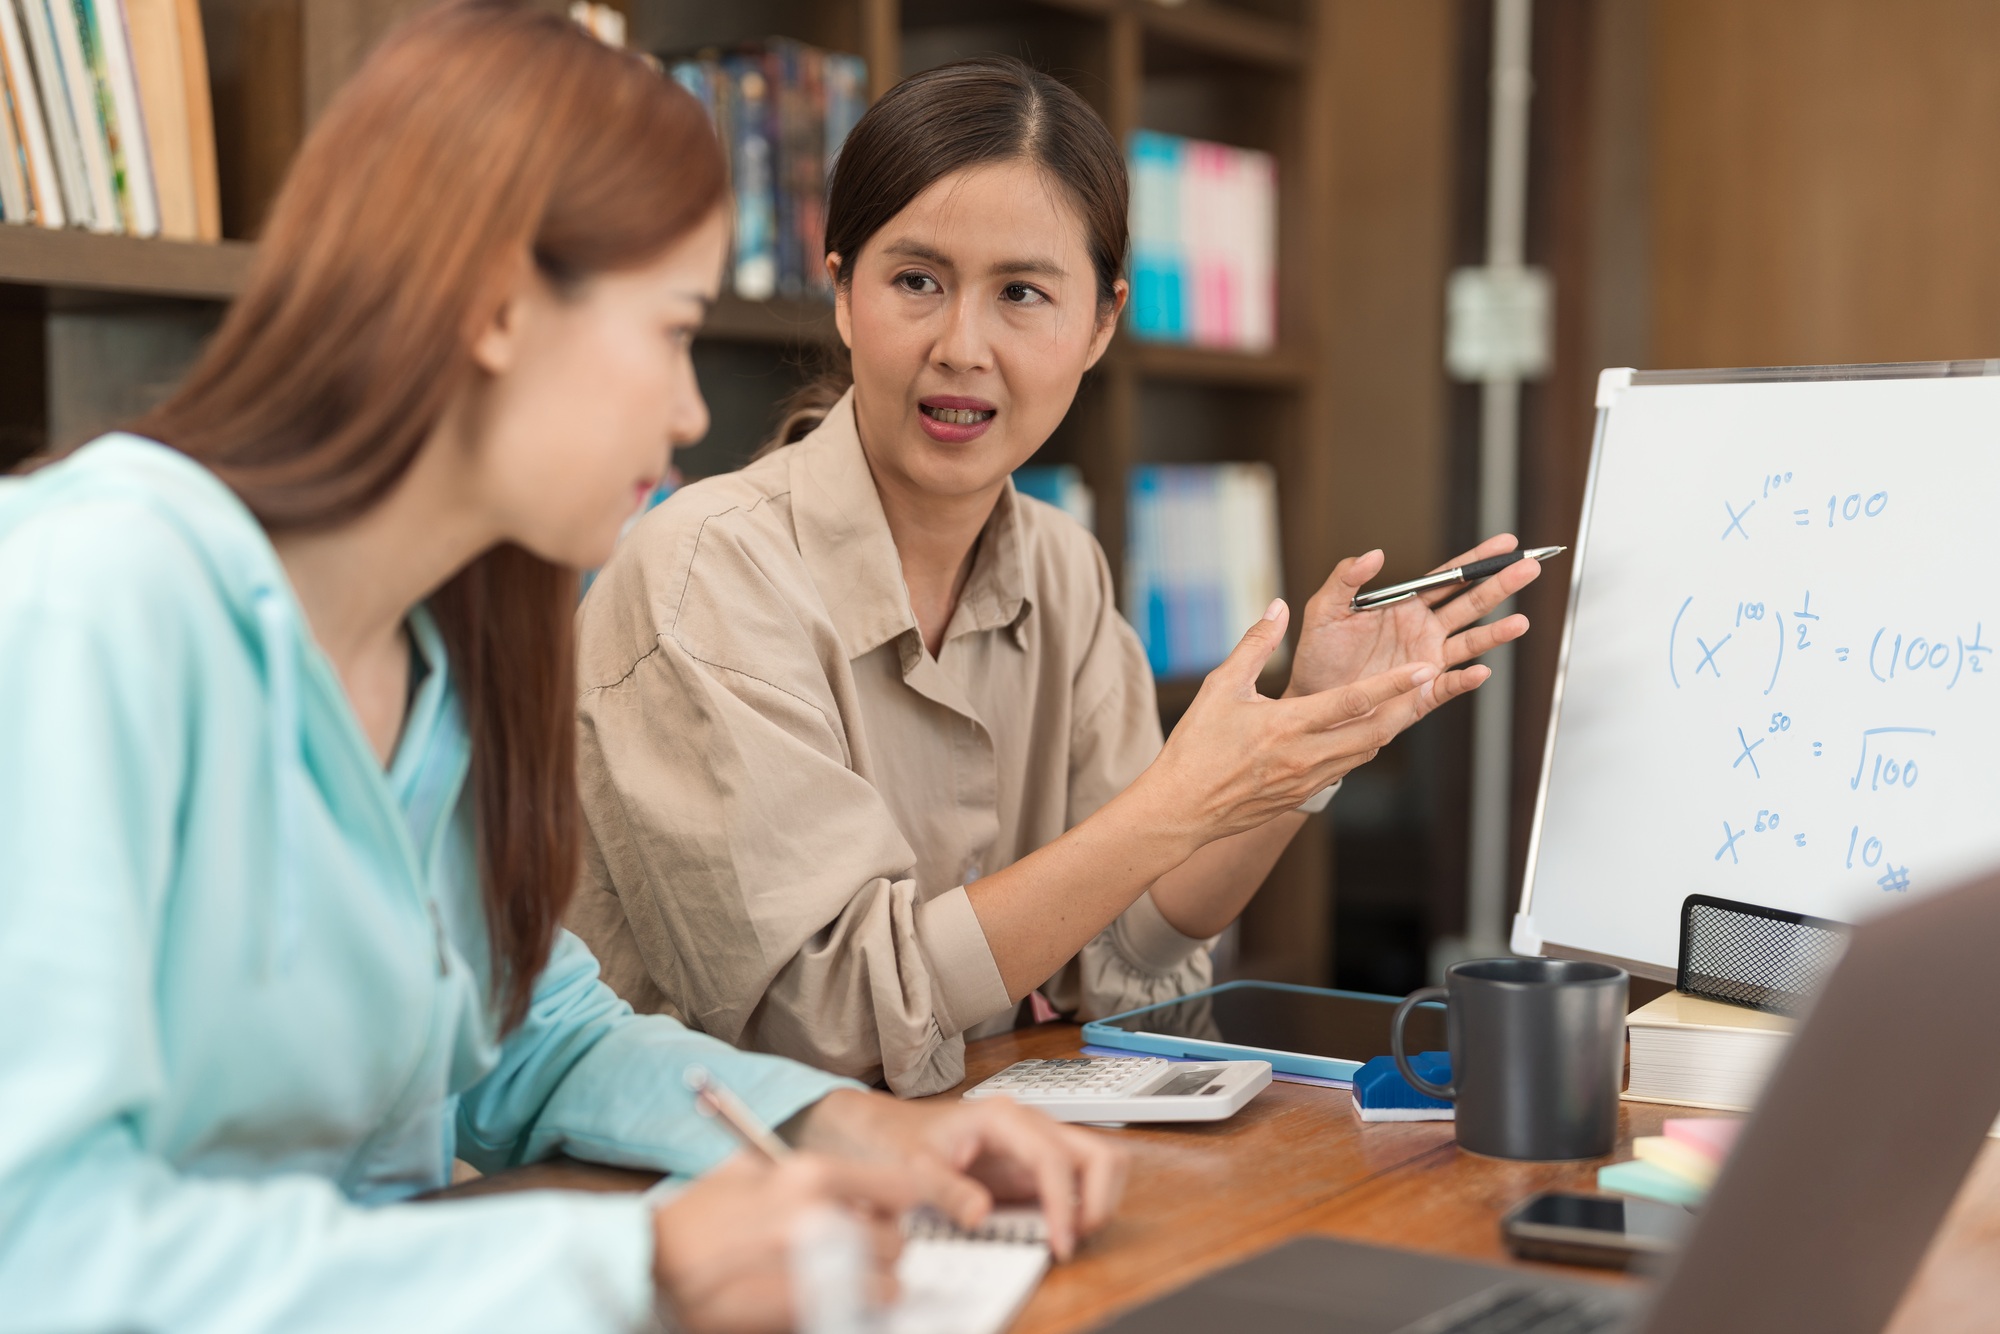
x: 1077, y: 1077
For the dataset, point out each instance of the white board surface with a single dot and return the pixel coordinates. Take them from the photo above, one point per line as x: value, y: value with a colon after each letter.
x: 1779, y: 682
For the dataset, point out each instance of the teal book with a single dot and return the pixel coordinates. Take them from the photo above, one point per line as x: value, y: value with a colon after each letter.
x: 1159, y: 303
x: 1648, y: 1183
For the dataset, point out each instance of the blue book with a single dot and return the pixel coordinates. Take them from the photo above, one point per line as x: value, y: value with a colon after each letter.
x: 1159, y: 303
x: 751, y: 171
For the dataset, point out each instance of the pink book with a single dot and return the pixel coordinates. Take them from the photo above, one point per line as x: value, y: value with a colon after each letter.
x: 1712, y: 1136
x: 1207, y: 242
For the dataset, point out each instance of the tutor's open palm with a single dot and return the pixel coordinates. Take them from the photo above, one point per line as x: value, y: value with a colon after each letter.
x: 1338, y: 645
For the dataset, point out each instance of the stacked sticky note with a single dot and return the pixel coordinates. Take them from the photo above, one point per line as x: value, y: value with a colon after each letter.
x: 1677, y: 1167
x: 1382, y: 1094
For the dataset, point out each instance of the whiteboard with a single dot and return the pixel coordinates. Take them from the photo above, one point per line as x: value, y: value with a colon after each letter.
x: 1777, y: 680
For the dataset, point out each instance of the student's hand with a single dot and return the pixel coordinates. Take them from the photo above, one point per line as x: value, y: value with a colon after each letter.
x: 964, y: 1155
x: 1238, y: 758
x: 722, y: 1249
x: 1338, y: 645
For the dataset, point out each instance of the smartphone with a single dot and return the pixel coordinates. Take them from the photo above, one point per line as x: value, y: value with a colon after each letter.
x: 1610, y: 1231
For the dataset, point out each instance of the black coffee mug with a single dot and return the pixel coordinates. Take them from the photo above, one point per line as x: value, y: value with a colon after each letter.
x: 1537, y: 1048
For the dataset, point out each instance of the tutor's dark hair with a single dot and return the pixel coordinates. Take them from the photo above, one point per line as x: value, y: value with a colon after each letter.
x: 965, y: 114
x: 355, y: 330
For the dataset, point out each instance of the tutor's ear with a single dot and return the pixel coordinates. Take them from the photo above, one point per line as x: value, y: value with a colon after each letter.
x: 843, y: 318
x: 1107, y: 320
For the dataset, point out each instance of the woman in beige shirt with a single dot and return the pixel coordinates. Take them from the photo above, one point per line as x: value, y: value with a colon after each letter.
x: 869, y: 757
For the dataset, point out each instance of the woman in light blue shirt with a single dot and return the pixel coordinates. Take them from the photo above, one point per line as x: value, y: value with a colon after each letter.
x: 287, y: 803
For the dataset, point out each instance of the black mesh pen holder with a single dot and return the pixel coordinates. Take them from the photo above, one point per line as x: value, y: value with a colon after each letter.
x: 1764, y: 958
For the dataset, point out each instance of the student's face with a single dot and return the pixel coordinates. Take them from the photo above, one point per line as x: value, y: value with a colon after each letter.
x: 587, y: 393
x: 971, y: 316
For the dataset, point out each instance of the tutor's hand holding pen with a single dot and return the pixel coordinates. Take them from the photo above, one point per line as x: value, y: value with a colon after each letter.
x: 1237, y: 758
x: 1339, y: 644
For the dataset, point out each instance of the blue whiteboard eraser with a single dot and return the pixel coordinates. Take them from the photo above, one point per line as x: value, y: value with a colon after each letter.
x: 1382, y: 1094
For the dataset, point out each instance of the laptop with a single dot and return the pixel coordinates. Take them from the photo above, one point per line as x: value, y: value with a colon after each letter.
x: 1817, y: 1223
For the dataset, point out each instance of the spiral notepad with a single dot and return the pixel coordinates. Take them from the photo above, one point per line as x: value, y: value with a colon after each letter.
x: 959, y: 1281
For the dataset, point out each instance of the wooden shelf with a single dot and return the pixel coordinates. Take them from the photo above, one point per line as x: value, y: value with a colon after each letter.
x: 807, y: 322
x: 86, y: 261
x: 1247, y: 38
x: 1281, y: 369
x: 1212, y: 30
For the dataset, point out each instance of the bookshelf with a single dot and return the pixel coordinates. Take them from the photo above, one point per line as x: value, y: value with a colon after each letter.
x: 93, y: 328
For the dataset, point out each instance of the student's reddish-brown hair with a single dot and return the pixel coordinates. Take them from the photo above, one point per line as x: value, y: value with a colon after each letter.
x: 479, y: 131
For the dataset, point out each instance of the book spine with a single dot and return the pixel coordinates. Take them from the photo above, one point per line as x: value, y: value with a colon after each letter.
x: 1143, y: 597
x: 810, y: 169
x: 847, y: 98
x: 81, y: 90
x: 1260, y: 251
x: 44, y: 186
x: 114, y: 39
x: 59, y: 111
x: 1155, y: 307
x: 781, y: 113
x: 14, y: 194
x: 200, y: 121
x: 158, y: 70
x: 756, y: 277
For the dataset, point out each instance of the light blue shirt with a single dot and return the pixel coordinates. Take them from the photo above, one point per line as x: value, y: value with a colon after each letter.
x: 244, y: 1000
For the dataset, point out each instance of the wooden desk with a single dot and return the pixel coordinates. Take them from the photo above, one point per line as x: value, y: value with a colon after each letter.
x: 1296, y: 1162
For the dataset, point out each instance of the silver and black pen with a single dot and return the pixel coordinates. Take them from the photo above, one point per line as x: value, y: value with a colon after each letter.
x: 1464, y: 574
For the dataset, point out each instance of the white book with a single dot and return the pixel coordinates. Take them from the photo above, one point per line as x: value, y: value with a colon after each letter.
x: 1259, y: 215
x: 44, y: 187
x: 1250, y: 543
x: 133, y: 151
x: 1702, y: 1053
x: 81, y: 89
x: 58, y: 110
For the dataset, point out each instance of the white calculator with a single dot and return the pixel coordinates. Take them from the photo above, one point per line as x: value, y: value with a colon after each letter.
x: 1129, y: 1088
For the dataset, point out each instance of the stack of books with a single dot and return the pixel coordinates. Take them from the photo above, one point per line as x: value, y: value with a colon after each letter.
x: 1061, y: 485
x: 783, y: 109
x: 1677, y: 1167
x: 1201, y: 559
x: 105, y: 121
x: 1702, y: 1053
x: 1204, y: 243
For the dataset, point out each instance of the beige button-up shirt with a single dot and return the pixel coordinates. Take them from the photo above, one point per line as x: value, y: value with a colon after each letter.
x: 787, y: 794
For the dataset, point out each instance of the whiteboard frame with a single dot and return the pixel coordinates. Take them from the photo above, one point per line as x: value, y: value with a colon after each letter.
x: 1611, y: 383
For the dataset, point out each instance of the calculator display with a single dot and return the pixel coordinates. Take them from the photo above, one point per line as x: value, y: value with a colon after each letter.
x: 1180, y: 1085
x: 1347, y: 1026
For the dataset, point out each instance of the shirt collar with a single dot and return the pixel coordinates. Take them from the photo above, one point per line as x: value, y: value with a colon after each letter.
x: 845, y: 540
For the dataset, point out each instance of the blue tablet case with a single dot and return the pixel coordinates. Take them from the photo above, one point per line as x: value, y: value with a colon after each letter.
x: 1106, y: 1033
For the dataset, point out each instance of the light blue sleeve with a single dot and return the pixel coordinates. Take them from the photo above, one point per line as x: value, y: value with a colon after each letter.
x: 97, y: 677
x: 583, y: 1075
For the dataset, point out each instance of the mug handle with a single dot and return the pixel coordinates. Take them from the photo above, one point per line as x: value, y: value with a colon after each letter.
x: 1447, y: 1092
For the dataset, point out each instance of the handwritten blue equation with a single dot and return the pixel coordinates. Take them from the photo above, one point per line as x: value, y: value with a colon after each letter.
x: 1889, y: 771
x: 1741, y: 638
x: 1853, y: 507
x: 1885, y: 765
